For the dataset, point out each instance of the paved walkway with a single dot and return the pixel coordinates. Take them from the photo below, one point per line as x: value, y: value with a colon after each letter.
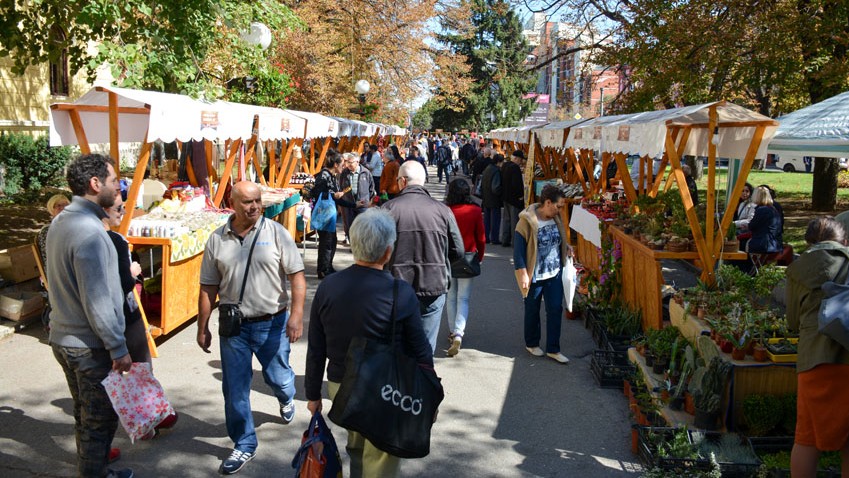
x: 505, y: 414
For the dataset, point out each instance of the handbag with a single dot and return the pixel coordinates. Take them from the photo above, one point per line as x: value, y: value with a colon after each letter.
x: 324, y: 214
x: 318, y: 456
x: 230, y: 316
x: 386, y: 396
x: 467, y: 266
x: 833, y: 319
x: 138, y: 399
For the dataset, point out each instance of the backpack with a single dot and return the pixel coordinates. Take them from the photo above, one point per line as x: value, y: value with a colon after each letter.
x: 443, y: 155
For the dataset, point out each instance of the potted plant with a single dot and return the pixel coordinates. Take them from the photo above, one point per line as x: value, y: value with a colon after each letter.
x: 762, y: 414
x: 708, y: 389
x: 731, y: 243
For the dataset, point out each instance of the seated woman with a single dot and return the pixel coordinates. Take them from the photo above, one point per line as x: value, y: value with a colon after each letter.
x: 765, y: 225
x: 743, y: 214
x: 55, y: 205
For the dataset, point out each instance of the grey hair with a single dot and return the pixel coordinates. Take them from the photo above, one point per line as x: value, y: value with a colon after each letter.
x: 371, y: 233
x: 414, y: 172
x: 349, y: 156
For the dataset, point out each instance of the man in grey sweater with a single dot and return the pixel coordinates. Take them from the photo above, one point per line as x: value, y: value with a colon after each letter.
x: 87, y: 319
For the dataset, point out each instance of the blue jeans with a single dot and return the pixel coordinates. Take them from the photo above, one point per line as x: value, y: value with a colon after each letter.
x: 95, y: 420
x: 431, y: 310
x: 550, y: 290
x: 458, y: 305
x: 509, y: 221
x: 267, y: 340
x: 492, y: 224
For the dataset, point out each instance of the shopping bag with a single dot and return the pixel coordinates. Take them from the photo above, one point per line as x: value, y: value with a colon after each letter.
x: 467, y: 266
x: 570, y: 282
x: 318, y: 456
x: 138, y: 399
x: 834, y: 313
x: 324, y: 214
x: 387, y: 397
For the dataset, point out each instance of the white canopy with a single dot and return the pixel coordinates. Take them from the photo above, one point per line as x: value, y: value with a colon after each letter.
x: 170, y: 117
x: 521, y: 135
x: 237, y: 119
x: 502, y: 134
x: 551, y: 135
x: 821, y: 130
x: 644, y: 134
x: 318, y: 126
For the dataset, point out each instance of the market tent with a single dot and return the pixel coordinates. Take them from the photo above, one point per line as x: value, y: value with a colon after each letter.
x: 551, y: 135
x: 820, y: 130
x: 644, y: 134
x: 318, y: 126
x: 522, y: 134
x: 236, y: 121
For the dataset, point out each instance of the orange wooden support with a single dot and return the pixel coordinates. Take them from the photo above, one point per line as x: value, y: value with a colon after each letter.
x: 235, y: 145
x: 271, y: 153
x: 710, y: 222
x: 79, y: 131
x: 114, y: 146
x: 625, y: 177
x: 133, y: 193
x: 151, y: 343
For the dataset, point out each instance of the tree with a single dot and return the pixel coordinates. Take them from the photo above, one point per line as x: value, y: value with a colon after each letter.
x: 162, y: 46
x: 495, y: 52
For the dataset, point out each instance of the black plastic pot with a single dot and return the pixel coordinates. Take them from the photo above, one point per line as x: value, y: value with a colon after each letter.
x: 676, y: 403
x: 649, y: 358
x: 659, y: 367
x: 706, y: 420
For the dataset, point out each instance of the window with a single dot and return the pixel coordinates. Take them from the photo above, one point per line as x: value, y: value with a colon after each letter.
x: 59, y: 78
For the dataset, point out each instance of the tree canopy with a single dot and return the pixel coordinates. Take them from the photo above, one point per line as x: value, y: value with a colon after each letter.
x: 494, y: 52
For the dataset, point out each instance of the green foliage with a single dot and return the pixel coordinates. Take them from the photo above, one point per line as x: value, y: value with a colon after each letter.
x: 30, y: 163
x: 728, y: 448
x: 272, y: 87
x: 496, y: 51
x: 710, y: 386
x: 621, y: 320
x: 763, y: 413
x: 150, y: 45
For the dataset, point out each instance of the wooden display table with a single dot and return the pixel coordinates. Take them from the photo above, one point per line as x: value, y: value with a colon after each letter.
x: 180, y: 286
x: 285, y: 213
x: 675, y: 418
x: 747, y: 376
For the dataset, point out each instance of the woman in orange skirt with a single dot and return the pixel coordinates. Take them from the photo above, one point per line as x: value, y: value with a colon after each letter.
x: 822, y: 417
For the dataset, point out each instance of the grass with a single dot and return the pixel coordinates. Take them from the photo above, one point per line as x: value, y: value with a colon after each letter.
x: 794, y: 195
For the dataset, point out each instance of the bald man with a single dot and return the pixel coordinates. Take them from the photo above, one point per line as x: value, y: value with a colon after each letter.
x: 428, y: 241
x: 269, y: 323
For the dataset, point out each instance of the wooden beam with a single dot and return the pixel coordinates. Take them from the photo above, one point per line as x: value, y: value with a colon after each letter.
x: 210, y: 170
x: 689, y: 208
x: 682, y: 144
x: 738, y: 187
x: 135, y: 187
x: 114, y: 148
x: 711, y: 185
x: 99, y: 109
x: 235, y: 146
x: 627, y: 182
x: 79, y: 131
x: 271, y: 153
x: 290, y: 162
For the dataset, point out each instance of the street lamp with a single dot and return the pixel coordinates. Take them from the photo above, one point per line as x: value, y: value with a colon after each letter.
x: 601, y: 100
x: 362, y: 88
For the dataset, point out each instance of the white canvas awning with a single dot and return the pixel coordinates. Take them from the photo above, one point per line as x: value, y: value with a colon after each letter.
x: 167, y: 117
x: 820, y: 130
x: 551, y: 135
x: 644, y: 134
x: 522, y: 134
x: 318, y: 126
x: 503, y: 134
x: 141, y: 114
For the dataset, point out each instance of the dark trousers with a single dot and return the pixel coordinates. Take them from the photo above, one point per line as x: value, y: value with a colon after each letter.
x: 492, y: 224
x: 443, y: 167
x: 550, y: 291
x: 95, y: 420
x: 326, y: 251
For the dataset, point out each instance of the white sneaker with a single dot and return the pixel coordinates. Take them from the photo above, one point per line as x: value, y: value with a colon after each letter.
x: 558, y: 357
x: 535, y: 351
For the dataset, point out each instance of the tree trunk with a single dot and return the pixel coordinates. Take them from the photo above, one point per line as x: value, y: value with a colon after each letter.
x: 824, y: 189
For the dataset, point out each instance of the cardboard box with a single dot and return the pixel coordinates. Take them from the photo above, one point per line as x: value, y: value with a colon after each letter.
x: 18, y: 264
x: 20, y: 305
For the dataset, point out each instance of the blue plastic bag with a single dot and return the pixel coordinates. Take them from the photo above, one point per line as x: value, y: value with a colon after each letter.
x: 324, y: 214
x: 318, y: 456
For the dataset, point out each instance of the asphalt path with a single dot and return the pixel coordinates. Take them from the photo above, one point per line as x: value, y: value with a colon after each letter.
x: 505, y: 414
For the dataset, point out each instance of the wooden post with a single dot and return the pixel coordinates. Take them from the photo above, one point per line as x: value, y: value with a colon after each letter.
x: 133, y: 193
x: 114, y: 147
x: 271, y: 152
x: 79, y: 131
x: 709, y: 216
x: 625, y: 177
x: 211, y: 173
x: 235, y: 146
x: 738, y: 187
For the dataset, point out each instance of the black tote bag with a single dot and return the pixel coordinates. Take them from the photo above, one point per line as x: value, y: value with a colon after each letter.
x: 387, y: 397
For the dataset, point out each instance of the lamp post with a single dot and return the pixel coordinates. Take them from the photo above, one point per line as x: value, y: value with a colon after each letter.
x: 601, y: 100
x: 362, y: 88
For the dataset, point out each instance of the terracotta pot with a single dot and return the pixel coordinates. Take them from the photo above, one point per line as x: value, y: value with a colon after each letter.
x: 626, y: 388
x: 635, y: 441
x: 726, y: 346
x: 738, y: 354
x: 759, y: 353
x: 700, y: 312
x: 664, y: 395
x: 750, y: 349
x: 731, y: 246
x: 689, y: 403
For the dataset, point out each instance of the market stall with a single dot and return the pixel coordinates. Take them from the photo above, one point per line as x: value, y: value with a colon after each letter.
x: 820, y: 130
x: 175, y: 235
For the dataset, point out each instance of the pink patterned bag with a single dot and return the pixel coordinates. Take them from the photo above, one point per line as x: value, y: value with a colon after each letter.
x: 138, y: 399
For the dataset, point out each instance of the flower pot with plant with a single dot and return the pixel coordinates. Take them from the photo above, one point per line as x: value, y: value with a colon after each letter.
x: 762, y: 414
x: 708, y: 385
x: 731, y: 243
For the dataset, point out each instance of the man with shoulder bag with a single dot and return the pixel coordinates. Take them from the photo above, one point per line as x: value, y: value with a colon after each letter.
x: 251, y: 254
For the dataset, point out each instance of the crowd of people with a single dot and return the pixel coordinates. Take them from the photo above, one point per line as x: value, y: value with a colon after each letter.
x: 405, y: 245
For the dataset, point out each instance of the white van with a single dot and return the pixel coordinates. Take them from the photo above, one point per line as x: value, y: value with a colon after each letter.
x: 790, y: 163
